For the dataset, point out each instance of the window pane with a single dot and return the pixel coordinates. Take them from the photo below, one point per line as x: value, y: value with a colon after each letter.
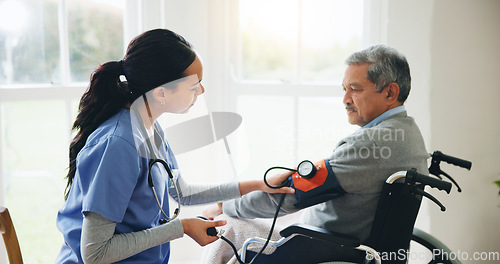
x: 331, y: 31
x: 269, y: 124
x: 29, y: 42
x: 268, y: 31
x: 322, y: 122
x: 278, y: 136
x: 298, y: 41
x: 35, y: 146
x: 95, y: 35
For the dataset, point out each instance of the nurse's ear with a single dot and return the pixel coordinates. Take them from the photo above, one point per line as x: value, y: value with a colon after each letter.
x: 160, y: 94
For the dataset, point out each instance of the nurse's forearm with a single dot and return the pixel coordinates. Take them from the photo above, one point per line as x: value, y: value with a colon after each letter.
x: 100, y: 244
x: 191, y: 194
x: 259, y: 185
x: 250, y: 186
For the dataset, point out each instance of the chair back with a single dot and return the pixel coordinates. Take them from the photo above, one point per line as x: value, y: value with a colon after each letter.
x: 9, y: 237
x: 395, y: 217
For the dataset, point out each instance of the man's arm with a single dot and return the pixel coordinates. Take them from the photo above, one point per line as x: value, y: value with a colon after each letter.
x: 259, y: 205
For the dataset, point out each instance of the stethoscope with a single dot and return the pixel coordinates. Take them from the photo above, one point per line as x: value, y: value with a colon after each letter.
x: 153, y: 160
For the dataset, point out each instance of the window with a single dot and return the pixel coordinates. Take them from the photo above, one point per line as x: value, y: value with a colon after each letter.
x: 48, y: 49
x: 88, y: 41
x: 30, y: 42
x: 40, y: 47
x: 298, y: 41
x: 287, y: 60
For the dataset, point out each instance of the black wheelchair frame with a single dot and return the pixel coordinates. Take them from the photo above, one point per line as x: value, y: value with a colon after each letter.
x: 393, y: 226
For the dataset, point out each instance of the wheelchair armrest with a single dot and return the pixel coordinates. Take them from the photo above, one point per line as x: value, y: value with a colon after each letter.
x: 321, y: 234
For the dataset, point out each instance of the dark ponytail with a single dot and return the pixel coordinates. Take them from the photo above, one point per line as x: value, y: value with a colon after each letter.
x: 104, y: 97
x: 153, y: 58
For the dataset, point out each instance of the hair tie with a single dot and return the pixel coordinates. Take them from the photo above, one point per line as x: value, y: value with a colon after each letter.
x: 121, y: 71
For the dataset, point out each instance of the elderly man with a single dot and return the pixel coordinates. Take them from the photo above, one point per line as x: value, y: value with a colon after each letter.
x: 376, y: 85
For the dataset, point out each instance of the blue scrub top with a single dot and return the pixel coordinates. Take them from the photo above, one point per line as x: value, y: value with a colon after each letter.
x: 111, y: 180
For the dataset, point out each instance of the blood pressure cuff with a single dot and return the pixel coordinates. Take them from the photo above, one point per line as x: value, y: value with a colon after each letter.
x: 323, y: 186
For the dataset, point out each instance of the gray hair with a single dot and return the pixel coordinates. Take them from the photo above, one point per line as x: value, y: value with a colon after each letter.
x: 387, y: 66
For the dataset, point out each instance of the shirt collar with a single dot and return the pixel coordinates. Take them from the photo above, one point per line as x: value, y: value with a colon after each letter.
x: 385, y: 115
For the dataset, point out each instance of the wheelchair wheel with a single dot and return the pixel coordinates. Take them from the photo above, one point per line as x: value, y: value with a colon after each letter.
x: 430, y: 249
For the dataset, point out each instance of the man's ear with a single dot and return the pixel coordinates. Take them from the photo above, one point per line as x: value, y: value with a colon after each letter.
x: 392, y: 93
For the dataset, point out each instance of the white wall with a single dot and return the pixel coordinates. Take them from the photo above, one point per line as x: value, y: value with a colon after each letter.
x: 465, y: 94
x: 407, y: 29
x: 454, y: 54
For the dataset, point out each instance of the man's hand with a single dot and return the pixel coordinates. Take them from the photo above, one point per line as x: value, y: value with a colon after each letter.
x: 212, y: 211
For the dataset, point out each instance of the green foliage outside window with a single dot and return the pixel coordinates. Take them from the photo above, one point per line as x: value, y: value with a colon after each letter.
x: 95, y: 35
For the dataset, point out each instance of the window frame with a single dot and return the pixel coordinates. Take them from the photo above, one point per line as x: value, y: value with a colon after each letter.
x: 141, y: 15
x: 138, y: 16
x: 375, y: 14
x: 223, y: 87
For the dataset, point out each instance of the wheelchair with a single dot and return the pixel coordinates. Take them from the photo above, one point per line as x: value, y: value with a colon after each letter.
x: 391, y: 233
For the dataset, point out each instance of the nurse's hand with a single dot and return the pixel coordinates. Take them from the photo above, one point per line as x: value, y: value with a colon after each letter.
x: 259, y: 185
x: 277, y: 180
x: 196, y: 228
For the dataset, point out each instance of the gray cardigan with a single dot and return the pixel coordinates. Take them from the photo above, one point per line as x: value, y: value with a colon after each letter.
x: 361, y: 162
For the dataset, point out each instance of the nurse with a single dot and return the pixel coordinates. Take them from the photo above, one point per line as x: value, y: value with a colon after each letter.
x: 111, y: 214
